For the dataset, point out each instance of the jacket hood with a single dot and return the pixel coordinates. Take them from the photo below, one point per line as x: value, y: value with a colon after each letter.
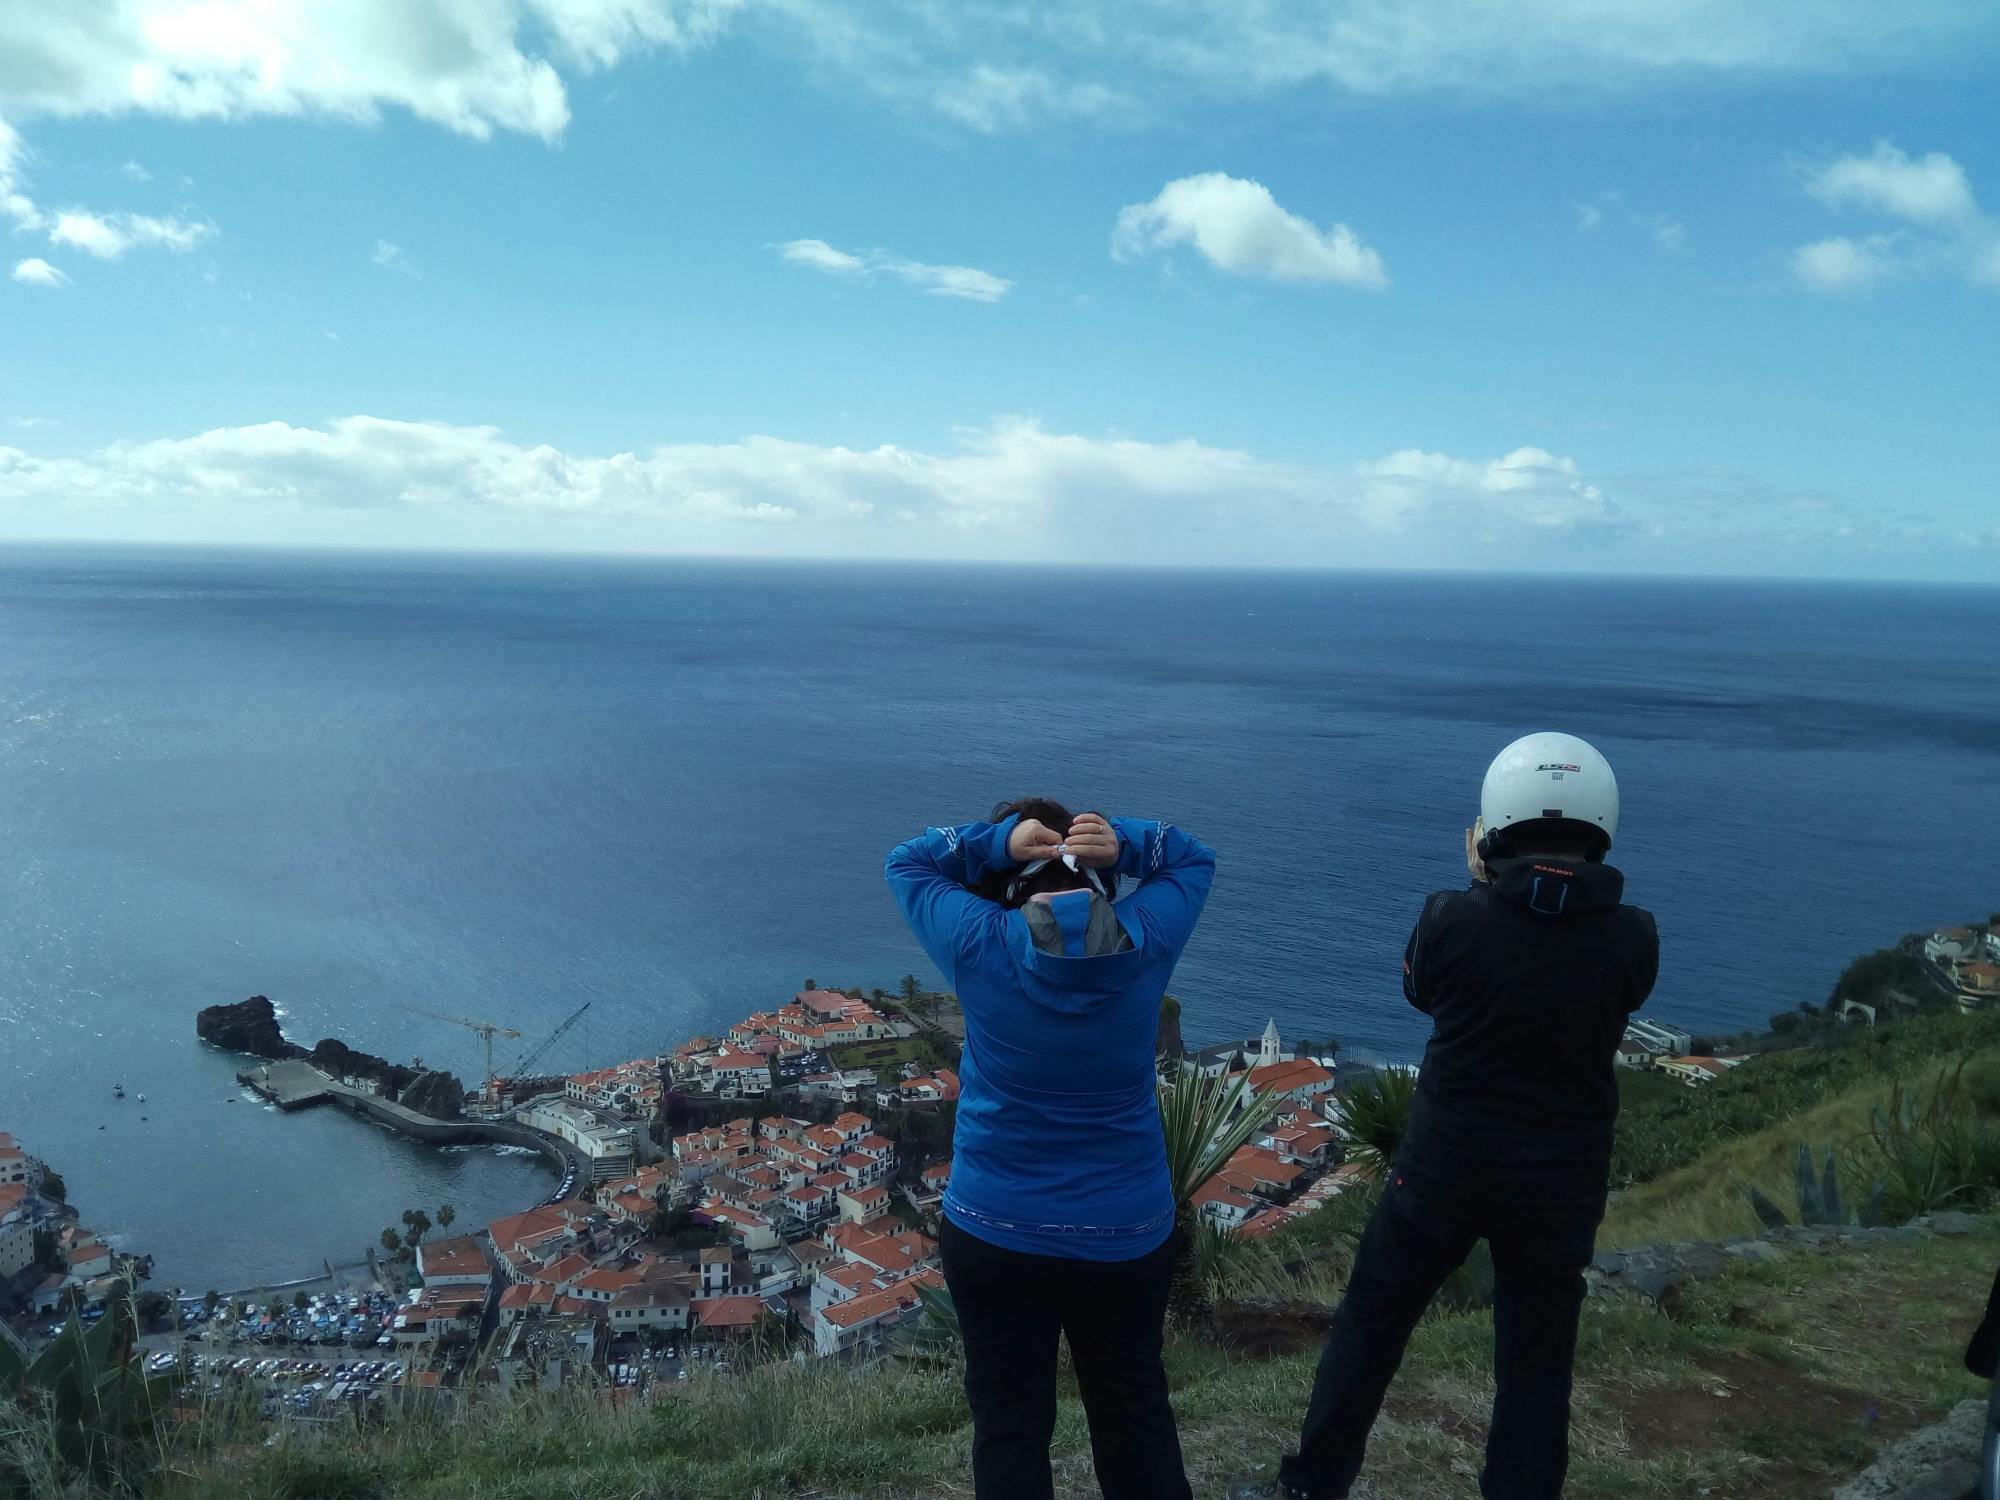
x: 1074, y: 952
x: 1556, y: 888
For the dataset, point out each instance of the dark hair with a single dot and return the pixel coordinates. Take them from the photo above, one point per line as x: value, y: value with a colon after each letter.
x: 1004, y: 887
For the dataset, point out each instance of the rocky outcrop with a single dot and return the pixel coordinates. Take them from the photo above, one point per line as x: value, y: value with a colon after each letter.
x: 1939, y: 1462
x: 252, y: 1026
x: 338, y: 1060
x: 438, y: 1095
x: 1656, y: 1273
x: 247, y: 1026
x: 1167, y: 1042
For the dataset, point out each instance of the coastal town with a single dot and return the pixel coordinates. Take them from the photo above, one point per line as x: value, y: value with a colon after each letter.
x: 770, y: 1191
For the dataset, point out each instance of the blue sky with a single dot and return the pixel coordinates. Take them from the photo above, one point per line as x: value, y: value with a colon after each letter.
x: 1616, y: 285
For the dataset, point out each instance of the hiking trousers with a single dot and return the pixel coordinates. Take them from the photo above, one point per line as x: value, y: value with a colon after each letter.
x: 1012, y: 1310
x: 1540, y: 1222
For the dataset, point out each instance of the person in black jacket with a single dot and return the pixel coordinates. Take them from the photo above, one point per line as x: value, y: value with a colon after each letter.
x: 1528, y: 977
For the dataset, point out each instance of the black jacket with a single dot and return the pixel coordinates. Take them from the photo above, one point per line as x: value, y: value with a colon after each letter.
x: 1528, y: 980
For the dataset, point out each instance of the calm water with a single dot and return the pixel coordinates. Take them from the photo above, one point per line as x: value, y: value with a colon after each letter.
x: 499, y: 788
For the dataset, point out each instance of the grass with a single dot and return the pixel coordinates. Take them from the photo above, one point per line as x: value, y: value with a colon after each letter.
x: 1705, y: 1200
x: 890, y: 1053
x: 1659, y: 1134
x: 1763, y: 1385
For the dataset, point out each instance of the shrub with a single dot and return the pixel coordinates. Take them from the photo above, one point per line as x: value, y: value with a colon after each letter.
x: 1935, y: 1149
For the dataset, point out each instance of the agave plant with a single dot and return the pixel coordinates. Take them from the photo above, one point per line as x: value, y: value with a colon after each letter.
x: 1376, y: 1111
x: 1819, y: 1199
x: 935, y: 1336
x: 1206, y: 1121
x: 84, y: 1401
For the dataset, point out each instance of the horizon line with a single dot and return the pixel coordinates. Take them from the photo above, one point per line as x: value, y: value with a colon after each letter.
x: 364, y: 550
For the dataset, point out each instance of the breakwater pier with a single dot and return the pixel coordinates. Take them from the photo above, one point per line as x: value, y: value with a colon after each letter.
x: 294, y: 1083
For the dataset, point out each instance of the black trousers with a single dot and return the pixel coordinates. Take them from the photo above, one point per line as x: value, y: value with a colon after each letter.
x: 1012, y: 1308
x: 1540, y: 1222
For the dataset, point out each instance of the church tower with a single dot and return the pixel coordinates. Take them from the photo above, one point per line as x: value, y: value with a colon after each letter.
x: 1268, y: 1051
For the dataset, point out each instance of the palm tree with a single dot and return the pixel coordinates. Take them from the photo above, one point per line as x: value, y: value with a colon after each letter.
x: 210, y: 1301
x: 446, y: 1214
x: 391, y: 1241
x: 300, y: 1300
x: 1377, y: 1114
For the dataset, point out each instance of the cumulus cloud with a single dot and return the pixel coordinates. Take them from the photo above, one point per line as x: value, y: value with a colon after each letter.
x: 1240, y: 228
x: 34, y: 271
x: 1939, y: 224
x: 1841, y: 267
x: 470, y: 67
x: 968, y: 282
x: 1927, y: 190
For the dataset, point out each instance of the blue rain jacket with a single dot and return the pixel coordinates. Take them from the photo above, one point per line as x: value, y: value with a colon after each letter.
x: 1058, y: 1148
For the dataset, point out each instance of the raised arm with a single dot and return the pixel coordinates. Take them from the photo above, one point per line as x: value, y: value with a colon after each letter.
x: 1174, y: 870
x: 929, y: 875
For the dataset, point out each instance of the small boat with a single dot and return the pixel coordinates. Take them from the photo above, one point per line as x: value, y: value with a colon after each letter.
x: 118, y: 1091
x: 142, y: 1098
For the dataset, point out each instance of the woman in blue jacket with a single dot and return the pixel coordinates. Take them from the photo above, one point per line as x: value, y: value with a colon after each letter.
x: 1059, y: 1216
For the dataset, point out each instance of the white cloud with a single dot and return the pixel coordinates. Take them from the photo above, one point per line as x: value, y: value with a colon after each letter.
x: 390, y: 257
x: 1941, y: 225
x: 1841, y: 267
x: 1010, y: 489
x: 136, y: 173
x: 968, y: 282
x: 464, y: 64
x: 15, y: 203
x: 1014, y: 477
x: 1536, y: 487
x: 476, y: 66
x: 32, y: 422
x: 1927, y: 190
x: 821, y: 256
x: 109, y: 236
x: 34, y: 271
x: 1239, y: 227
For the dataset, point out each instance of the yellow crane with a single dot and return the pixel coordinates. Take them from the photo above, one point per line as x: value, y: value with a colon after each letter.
x: 486, y: 1029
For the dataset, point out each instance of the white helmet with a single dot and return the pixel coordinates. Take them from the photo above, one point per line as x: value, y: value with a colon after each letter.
x: 1552, y: 777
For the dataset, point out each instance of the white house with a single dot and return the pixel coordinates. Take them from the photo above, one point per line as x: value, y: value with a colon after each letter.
x: 660, y: 1305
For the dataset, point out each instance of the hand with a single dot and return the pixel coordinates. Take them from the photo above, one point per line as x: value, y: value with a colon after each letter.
x: 1093, y: 842
x: 1032, y: 840
x: 1472, y: 860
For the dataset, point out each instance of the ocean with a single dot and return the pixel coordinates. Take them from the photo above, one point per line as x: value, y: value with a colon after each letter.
x: 500, y: 787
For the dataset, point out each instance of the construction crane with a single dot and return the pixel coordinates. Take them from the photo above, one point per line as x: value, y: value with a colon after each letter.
x: 534, y: 1054
x: 486, y: 1029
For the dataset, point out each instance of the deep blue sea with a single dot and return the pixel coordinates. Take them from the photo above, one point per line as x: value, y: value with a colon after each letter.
x: 500, y: 787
